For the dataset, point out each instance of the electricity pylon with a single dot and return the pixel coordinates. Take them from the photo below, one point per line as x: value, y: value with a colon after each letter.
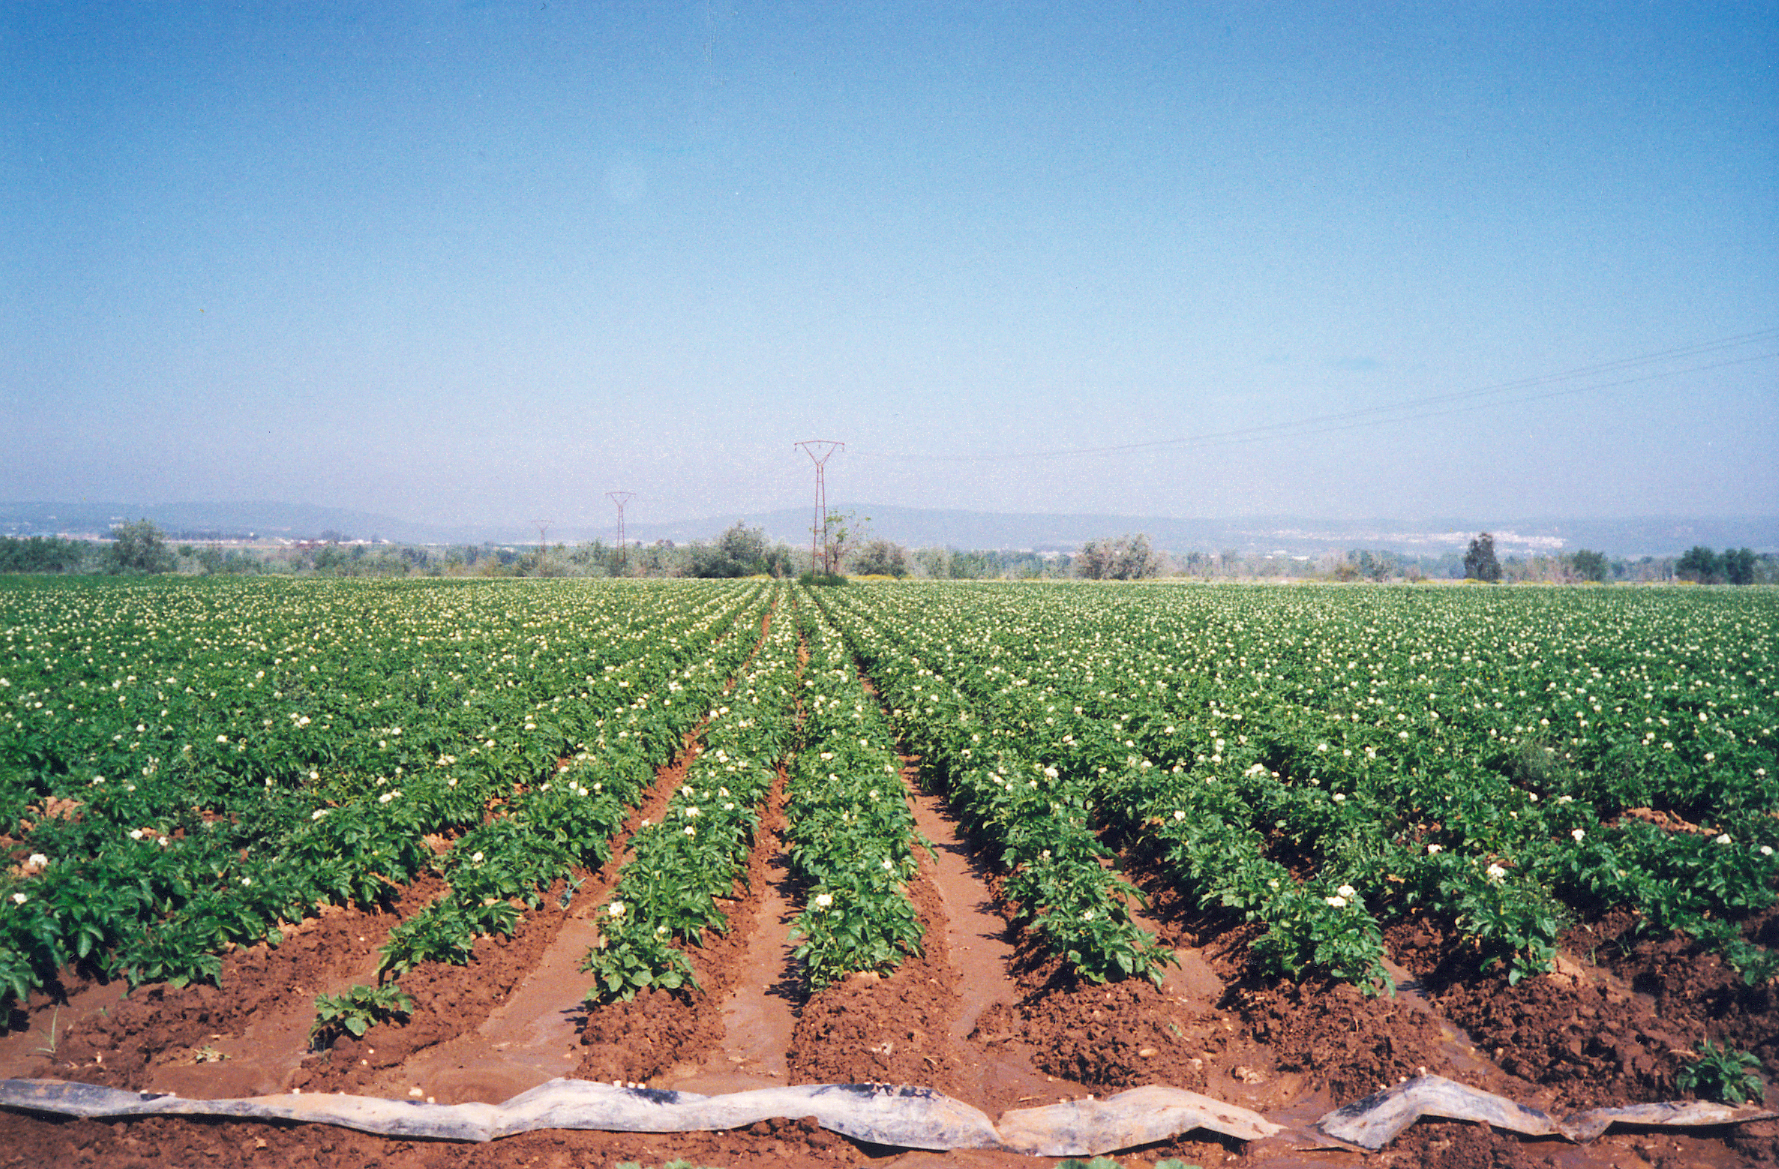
x: 818, y: 532
x: 621, y: 498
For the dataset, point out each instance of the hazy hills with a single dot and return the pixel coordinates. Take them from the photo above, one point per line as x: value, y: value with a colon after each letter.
x: 931, y: 527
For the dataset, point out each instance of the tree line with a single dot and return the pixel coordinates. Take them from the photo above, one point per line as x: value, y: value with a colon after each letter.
x: 141, y: 549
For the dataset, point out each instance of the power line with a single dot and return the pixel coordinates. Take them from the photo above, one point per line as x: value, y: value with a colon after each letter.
x: 1441, y: 413
x: 1437, y: 405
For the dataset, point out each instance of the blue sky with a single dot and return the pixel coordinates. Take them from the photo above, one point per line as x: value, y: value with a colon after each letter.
x: 485, y: 262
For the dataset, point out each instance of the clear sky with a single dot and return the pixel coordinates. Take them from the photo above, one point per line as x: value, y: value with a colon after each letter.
x: 487, y: 261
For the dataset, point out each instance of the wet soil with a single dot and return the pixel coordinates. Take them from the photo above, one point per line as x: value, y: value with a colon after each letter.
x: 245, y: 1037
x: 920, y: 1024
x: 450, y: 1004
x: 979, y: 1015
x: 1212, y: 1026
x: 157, y: 1142
x: 758, y: 1007
x: 705, y: 1040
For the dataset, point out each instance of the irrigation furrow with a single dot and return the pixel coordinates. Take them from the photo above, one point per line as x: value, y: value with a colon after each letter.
x: 668, y: 912
x: 756, y: 991
x: 531, y: 1031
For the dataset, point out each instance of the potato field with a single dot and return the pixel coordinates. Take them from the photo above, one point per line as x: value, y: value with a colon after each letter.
x: 1022, y: 844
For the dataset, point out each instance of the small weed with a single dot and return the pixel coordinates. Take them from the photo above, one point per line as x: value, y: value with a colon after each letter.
x: 49, y: 1048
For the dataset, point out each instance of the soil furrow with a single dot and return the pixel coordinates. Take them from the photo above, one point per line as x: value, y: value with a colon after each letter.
x: 664, y: 1034
x: 756, y: 993
x: 982, y: 1014
x: 918, y: 1024
x: 246, y: 1036
x: 655, y: 1033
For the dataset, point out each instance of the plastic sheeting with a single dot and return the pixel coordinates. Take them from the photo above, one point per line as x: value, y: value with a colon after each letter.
x: 883, y: 1114
x: 905, y: 1117
x: 1374, y: 1121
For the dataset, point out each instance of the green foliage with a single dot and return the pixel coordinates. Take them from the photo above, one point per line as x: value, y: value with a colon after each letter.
x: 1123, y: 558
x: 667, y: 894
x: 1589, y: 565
x: 17, y: 978
x: 851, y: 834
x: 202, y: 759
x: 1517, y: 924
x: 861, y: 926
x: 1324, y: 933
x: 740, y: 551
x: 1036, y: 817
x: 1464, y: 754
x: 840, y: 532
x: 446, y: 936
x: 1737, y: 566
x: 140, y: 548
x: 238, y: 752
x: 881, y: 558
x: 1479, y: 560
x: 1700, y: 564
x: 356, y: 1011
x: 175, y: 951
x: 1725, y: 1074
x: 1374, y: 566
x: 624, y: 963
x: 49, y: 554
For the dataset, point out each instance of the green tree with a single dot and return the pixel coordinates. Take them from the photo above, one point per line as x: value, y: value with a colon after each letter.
x: 1480, y: 562
x: 972, y: 564
x: 1700, y: 564
x: 740, y: 551
x: 1738, y: 565
x: 881, y: 558
x: 1588, y: 565
x: 41, y: 554
x: 140, y: 548
x: 1125, y: 558
x: 1376, y: 566
x: 933, y: 562
x: 845, y: 530
x: 734, y: 553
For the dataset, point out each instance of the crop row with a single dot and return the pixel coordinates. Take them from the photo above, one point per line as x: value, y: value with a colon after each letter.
x: 151, y: 870
x: 668, y: 891
x: 851, y: 834
x: 1322, y: 761
x: 185, y: 766
x: 1010, y: 795
x: 565, y: 818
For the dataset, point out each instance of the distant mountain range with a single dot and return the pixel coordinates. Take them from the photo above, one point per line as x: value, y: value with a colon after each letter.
x: 931, y: 527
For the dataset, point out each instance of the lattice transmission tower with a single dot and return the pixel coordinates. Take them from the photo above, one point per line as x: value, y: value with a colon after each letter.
x: 543, y: 540
x: 621, y: 498
x: 819, y: 551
